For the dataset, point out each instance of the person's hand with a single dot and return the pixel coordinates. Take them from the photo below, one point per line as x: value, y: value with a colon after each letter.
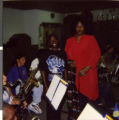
x: 25, y: 104
x: 32, y: 80
x: 84, y: 71
x: 15, y: 101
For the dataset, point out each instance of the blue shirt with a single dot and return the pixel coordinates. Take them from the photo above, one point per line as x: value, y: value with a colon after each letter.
x: 16, y: 73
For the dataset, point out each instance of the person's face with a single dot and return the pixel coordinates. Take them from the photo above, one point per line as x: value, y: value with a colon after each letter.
x: 111, y: 50
x: 79, y: 28
x: 21, y: 61
x: 53, y: 42
x: 4, y: 80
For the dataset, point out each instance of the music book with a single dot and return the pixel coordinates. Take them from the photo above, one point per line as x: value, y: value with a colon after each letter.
x: 90, y: 113
x: 56, y: 91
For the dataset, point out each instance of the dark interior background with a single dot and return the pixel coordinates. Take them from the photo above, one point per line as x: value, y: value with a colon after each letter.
x: 106, y: 32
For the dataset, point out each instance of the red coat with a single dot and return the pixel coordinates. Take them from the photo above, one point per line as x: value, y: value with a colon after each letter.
x: 85, y: 53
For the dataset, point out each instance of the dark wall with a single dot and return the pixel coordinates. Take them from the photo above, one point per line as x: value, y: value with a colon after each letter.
x: 18, y: 44
x: 106, y: 32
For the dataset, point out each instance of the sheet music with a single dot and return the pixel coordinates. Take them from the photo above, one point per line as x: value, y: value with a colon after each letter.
x: 52, y: 87
x: 59, y: 95
x: 89, y: 113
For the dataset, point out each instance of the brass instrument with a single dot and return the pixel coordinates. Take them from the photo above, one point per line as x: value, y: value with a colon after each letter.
x: 36, y: 118
x: 31, y: 82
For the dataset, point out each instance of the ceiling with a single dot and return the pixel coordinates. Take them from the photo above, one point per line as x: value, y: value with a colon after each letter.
x: 66, y: 6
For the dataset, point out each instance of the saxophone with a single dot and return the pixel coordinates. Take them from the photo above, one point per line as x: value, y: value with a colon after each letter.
x: 32, y: 80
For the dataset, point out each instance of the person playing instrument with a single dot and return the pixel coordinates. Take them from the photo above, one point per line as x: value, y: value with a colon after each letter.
x: 18, y: 71
x: 107, y: 67
x: 109, y: 59
x: 8, y: 96
x: 83, y: 49
x: 53, y: 63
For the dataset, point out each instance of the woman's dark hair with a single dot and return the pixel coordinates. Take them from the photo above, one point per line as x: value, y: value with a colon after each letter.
x: 19, y: 56
x: 88, y: 25
x: 76, y: 21
x: 80, y: 20
x: 86, y: 18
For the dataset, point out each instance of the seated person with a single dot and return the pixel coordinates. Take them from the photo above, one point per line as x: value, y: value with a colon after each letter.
x: 107, y: 67
x: 8, y: 96
x: 18, y: 71
x: 9, y: 112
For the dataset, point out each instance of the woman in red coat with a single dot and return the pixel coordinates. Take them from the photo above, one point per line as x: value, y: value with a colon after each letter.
x: 85, y: 53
